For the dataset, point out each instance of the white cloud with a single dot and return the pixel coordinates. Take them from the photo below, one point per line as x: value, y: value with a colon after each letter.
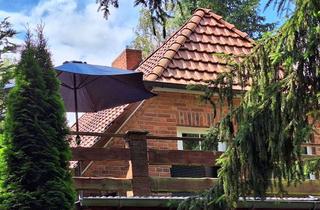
x: 76, y: 33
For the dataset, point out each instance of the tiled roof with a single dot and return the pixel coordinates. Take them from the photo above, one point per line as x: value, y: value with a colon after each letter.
x: 188, y: 55
x: 96, y: 122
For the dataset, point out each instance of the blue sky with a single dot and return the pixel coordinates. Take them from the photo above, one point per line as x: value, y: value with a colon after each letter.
x: 74, y: 28
x: 76, y: 31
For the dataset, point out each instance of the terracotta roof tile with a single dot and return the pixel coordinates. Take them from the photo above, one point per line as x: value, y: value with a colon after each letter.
x: 96, y: 122
x: 188, y: 56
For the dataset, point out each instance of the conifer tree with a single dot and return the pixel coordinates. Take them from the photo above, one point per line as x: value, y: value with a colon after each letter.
x: 243, y: 14
x: 56, y: 113
x: 277, y: 115
x: 36, y: 152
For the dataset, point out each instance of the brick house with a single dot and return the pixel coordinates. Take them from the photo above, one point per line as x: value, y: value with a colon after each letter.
x: 186, y: 57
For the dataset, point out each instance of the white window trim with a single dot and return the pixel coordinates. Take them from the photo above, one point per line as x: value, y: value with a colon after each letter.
x: 309, y: 152
x: 195, y: 130
x: 181, y: 130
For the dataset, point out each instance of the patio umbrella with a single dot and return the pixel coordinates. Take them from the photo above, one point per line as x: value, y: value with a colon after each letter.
x: 91, y: 88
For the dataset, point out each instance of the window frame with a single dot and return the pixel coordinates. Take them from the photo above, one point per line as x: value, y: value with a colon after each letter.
x: 309, y: 151
x: 195, y: 130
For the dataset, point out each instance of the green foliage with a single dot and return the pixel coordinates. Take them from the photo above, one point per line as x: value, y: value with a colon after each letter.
x: 6, y: 67
x: 6, y: 73
x: 279, y: 108
x: 6, y: 32
x: 159, y: 10
x: 35, y: 148
x: 243, y: 14
x: 211, y: 140
x: 277, y: 115
x: 212, y: 199
x: 146, y: 37
x: 281, y: 5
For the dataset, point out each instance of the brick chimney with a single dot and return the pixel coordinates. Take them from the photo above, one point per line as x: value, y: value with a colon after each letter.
x: 128, y: 59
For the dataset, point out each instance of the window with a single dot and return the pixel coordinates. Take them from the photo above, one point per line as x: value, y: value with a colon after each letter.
x: 308, y: 151
x: 193, y: 171
x: 196, y: 133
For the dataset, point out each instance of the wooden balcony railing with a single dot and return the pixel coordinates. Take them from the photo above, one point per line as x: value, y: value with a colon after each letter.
x: 141, y: 157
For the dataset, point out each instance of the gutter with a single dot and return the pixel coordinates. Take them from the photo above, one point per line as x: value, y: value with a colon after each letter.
x: 165, y: 85
x: 130, y: 201
x: 152, y: 84
x: 173, y: 202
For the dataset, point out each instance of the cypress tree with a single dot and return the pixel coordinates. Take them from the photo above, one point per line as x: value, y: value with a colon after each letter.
x: 36, y: 152
x: 56, y: 112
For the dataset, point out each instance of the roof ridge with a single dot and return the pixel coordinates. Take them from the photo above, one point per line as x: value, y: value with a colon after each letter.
x: 159, y: 47
x: 179, y: 41
x: 228, y: 25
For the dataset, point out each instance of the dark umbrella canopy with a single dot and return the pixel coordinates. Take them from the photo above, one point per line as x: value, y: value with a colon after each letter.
x: 95, y: 87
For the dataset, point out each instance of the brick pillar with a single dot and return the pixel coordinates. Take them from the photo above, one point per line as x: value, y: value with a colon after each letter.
x: 139, y: 161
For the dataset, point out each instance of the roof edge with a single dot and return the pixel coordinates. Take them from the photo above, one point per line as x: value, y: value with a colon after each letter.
x: 179, y: 41
x: 155, y: 202
x: 228, y: 25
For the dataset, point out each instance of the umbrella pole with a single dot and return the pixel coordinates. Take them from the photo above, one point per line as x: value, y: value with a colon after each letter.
x: 78, y: 140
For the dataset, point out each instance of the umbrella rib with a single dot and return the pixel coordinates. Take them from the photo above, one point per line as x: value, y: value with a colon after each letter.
x: 92, y: 104
x: 83, y: 84
x: 131, y: 86
x: 58, y: 74
x: 67, y: 86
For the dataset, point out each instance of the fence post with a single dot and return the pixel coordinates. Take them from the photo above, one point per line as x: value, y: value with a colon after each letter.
x: 139, y: 161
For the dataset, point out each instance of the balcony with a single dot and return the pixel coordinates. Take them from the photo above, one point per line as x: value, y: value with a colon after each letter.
x: 144, y: 190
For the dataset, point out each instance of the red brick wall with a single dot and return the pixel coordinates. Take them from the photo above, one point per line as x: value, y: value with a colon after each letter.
x: 160, y: 115
x: 128, y: 59
x: 316, y: 139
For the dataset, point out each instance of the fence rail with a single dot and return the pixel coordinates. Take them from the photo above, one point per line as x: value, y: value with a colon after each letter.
x: 96, y: 154
x: 102, y: 183
x: 154, y: 137
x: 141, y: 157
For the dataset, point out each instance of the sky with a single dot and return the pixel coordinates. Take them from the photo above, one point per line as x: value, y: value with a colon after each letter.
x: 74, y: 28
x: 76, y: 31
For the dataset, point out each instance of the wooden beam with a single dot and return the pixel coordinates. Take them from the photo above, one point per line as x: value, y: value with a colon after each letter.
x: 310, y: 145
x: 120, y: 135
x: 173, y: 184
x: 174, y: 138
x: 102, y: 183
x: 308, y: 187
x: 181, y: 184
x: 95, y: 154
x: 182, y: 157
x: 168, y: 138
